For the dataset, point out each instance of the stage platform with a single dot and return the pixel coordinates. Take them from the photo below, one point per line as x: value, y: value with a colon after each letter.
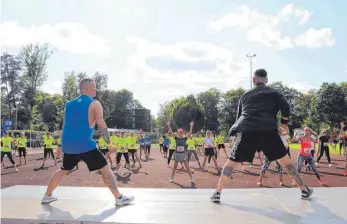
x: 22, y: 204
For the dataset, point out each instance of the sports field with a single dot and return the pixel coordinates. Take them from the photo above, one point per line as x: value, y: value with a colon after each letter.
x: 155, y: 173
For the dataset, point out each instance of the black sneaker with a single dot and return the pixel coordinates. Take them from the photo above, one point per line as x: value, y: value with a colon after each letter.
x: 306, y: 194
x: 215, y: 197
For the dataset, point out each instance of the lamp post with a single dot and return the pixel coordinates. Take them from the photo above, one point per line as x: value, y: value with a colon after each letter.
x: 251, y: 56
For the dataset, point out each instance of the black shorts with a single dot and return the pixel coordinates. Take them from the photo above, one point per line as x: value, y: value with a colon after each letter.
x: 94, y: 159
x: 132, y: 151
x: 161, y: 145
x: 22, y: 151
x: 119, y: 156
x: 148, y: 147
x: 209, y: 152
x: 246, y: 144
x: 221, y: 146
x: 48, y: 151
x: 104, y: 151
x: 165, y: 148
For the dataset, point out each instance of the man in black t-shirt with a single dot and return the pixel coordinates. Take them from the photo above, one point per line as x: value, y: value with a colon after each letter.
x: 256, y: 128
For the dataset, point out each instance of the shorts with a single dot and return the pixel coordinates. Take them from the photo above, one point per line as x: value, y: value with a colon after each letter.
x: 132, y: 151
x: 94, y: 159
x: 22, y: 151
x: 104, y: 151
x: 246, y: 144
x: 119, y: 156
x: 148, y: 147
x: 180, y: 157
x: 209, y: 152
x: 165, y: 148
x: 221, y: 146
x: 48, y: 151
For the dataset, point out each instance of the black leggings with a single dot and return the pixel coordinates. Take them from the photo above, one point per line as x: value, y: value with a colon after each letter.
x: 171, y: 152
x: 9, y: 155
x: 288, y: 152
x: 119, y: 156
x: 312, y: 154
x: 322, y: 150
x: 215, y: 155
x: 48, y: 151
x: 148, y: 149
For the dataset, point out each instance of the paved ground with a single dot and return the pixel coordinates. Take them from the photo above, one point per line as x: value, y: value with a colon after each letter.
x: 156, y: 174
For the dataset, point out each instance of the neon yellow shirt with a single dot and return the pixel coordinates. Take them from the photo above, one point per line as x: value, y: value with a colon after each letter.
x: 113, y: 140
x: 220, y: 139
x: 191, y: 144
x: 131, y: 142
x: 122, y: 145
x: 49, y: 143
x: 102, y: 143
x: 161, y: 140
x: 22, y: 142
x: 6, y: 141
x: 172, y: 143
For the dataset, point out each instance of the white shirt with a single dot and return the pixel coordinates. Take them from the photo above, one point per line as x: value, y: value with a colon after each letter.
x: 209, y: 142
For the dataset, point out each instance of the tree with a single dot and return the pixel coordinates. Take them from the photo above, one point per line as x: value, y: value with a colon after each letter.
x: 229, y: 105
x: 210, y: 100
x: 10, y: 81
x: 331, y: 104
x: 69, y: 86
x: 34, y: 59
x: 186, y: 110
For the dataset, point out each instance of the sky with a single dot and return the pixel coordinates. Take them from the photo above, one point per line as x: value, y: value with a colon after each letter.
x: 161, y: 49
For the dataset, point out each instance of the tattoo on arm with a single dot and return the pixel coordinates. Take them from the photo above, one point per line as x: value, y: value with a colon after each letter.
x: 227, y: 171
x: 105, y: 134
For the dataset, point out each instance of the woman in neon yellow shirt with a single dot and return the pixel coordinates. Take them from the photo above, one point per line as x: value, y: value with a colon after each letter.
x: 49, y: 149
x: 132, y: 147
x: 22, y: 148
x: 192, y: 150
x: 6, y: 149
x: 104, y: 149
x: 122, y: 150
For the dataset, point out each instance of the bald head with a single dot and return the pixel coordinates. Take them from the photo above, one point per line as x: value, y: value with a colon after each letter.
x: 87, y: 87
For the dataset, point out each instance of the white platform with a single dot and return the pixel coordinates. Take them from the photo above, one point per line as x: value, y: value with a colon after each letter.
x: 21, y: 204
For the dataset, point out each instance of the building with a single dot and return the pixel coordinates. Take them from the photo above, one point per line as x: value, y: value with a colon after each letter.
x: 139, y: 118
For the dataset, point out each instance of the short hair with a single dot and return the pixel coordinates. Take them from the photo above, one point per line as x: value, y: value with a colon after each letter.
x: 85, y: 82
x: 261, y: 73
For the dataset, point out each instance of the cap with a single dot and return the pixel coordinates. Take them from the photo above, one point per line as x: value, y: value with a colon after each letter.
x: 261, y: 73
x: 180, y: 130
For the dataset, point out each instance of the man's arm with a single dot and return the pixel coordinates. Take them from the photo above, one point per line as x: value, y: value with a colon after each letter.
x: 284, y: 108
x: 99, y: 119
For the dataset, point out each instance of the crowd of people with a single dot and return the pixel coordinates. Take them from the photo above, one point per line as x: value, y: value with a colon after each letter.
x: 255, y: 131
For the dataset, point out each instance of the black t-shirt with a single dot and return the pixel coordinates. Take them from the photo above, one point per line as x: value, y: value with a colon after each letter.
x: 324, y: 140
x: 181, y: 142
x: 258, y: 109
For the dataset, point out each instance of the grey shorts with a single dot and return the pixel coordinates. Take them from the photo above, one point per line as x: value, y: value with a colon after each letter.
x: 180, y: 157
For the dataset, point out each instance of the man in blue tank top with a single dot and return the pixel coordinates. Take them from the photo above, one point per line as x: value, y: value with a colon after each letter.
x: 80, y: 117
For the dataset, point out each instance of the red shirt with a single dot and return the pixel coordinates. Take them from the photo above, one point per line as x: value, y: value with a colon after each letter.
x: 305, y: 147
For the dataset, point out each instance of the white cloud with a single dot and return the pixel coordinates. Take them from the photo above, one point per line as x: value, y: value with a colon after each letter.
x: 53, y: 87
x: 166, y: 71
x: 316, y: 38
x: 71, y: 37
x: 304, y: 88
x: 268, y: 29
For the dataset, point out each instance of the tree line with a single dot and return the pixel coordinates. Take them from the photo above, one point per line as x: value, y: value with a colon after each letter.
x: 23, y: 75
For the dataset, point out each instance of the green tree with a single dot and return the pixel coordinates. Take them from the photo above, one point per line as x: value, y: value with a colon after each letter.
x: 210, y: 100
x: 34, y: 59
x: 69, y: 86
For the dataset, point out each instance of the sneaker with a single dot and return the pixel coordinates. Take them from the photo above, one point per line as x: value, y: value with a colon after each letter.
x: 208, y: 165
x: 259, y: 183
x: 306, y: 194
x: 293, y: 183
x: 171, y: 180
x: 321, y: 182
x: 16, y: 169
x: 124, y: 200
x: 330, y: 165
x: 250, y: 166
x: 316, y: 164
x: 48, y: 199
x: 215, y: 197
x: 281, y: 184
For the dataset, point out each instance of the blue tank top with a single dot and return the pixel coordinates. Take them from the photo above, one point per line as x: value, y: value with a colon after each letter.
x: 77, y: 136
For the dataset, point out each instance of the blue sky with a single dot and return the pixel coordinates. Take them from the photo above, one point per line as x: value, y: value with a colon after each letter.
x: 163, y: 49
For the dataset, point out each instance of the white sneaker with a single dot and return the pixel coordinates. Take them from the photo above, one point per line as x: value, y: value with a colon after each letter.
x: 124, y: 200
x: 316, y: 164
x: 208, y: 165
x: 171, y: 180
x: 16, y: 169
x: 48, y: 199
x: 330, y: 165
